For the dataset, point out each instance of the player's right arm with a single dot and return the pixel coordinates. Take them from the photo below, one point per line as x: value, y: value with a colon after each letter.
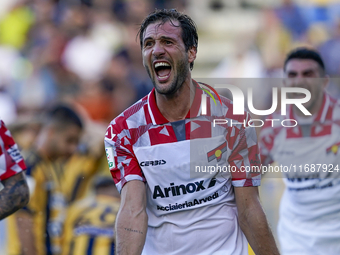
x: 14, y: 195
x: 14, y: 192
x: 132, y: 220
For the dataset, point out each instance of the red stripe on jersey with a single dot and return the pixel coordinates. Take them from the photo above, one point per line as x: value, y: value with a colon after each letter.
x: 232, y: 139
x: 200, y: 129
x: 248, y: 183
x: 22, y: 165
x: 196, y: 104
x: 6, y: 137
x: 147, y: 114
x: 7, y: 174
x: 322, y: 109
x: 293, y: 132
x: 242, y: 145
x: 135, y: 108
x: 237, y: 175
x: 162, y: 134
x: 158, y: 116
x: 267, y: 138
x: 326, y: 129
x: 11, y: 160
x: 253, y: 155
x: 136, y: 133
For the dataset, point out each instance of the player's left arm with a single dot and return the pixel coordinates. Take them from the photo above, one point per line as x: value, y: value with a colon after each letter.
x: 14, y: 195
x: 253, y: 221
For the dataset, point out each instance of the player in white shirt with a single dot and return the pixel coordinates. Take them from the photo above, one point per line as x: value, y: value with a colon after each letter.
x: 159, y: 149
x: 310, y: 207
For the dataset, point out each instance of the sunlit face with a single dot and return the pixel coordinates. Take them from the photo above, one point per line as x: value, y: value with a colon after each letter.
x: 305, y: 73
x: 64, y: 142
x: 165, y: 57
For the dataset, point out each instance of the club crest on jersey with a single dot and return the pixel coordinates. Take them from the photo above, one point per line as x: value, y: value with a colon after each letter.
x: 333, y: 149
x: 217, y: 152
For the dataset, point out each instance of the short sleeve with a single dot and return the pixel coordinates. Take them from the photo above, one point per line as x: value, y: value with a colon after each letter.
x: 244, y: 159
x: 122, y: 161
x: 11, y: 161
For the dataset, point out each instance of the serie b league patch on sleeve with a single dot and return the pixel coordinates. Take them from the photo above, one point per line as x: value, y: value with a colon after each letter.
x: 110, y: 157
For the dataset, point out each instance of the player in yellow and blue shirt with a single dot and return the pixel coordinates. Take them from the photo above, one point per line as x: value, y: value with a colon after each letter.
x: 89, y: 226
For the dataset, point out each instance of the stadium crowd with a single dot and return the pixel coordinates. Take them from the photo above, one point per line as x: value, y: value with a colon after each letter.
x: 85, y: 54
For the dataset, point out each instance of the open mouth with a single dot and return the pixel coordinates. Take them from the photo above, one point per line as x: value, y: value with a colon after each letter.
x: 162, y: 70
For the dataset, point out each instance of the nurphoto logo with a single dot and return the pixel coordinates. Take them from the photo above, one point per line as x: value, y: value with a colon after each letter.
x: 239, y: 102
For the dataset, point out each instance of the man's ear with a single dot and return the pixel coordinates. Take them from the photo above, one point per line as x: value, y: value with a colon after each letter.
x: 192, y: 54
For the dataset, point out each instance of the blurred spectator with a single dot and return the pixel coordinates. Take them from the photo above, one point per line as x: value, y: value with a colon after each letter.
x: 25, y: 131
x: 7, y: 107
x: 245, y: 62
x: 43, y: 217
x: 90, y: 51
x: 136, y: 10
x: 273, y: 41
x: 292, y: 18
x: 86, y: 56
x: 103, y: 99
x: 330, y: 51
x: 89, y: 226
x: 317, y: 34
x: 169, y: 4
x: 15, y: 25
x: 136, y: 73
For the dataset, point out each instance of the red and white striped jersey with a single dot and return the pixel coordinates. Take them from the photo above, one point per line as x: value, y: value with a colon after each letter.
x: 185, y: 167
x: 310, y: 154
x: 11, y: 161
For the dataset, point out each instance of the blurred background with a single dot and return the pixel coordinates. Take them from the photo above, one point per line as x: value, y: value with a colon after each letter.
x: 85, y: 53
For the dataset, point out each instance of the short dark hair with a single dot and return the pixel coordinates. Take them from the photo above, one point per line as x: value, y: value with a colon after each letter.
x: 305, y: 53
x: 63, y: 115
x: 189, y: 30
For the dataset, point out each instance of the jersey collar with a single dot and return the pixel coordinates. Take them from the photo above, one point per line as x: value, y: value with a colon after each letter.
x: 157, y: 117
x: 322, y: 113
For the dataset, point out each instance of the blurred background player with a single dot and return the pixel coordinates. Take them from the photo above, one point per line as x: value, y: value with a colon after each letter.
x: 309, y: 211
x: 85, y: 163
x: 14, y: 192
x: 42, y: 218
x: 89, y: 225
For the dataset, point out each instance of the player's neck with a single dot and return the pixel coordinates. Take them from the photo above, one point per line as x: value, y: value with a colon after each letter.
x: 313, y: 109
x: 177, y: 106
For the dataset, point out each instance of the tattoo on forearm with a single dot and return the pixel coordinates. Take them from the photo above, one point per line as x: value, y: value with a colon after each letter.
x: 14, y: 196
x: 133, y: 230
